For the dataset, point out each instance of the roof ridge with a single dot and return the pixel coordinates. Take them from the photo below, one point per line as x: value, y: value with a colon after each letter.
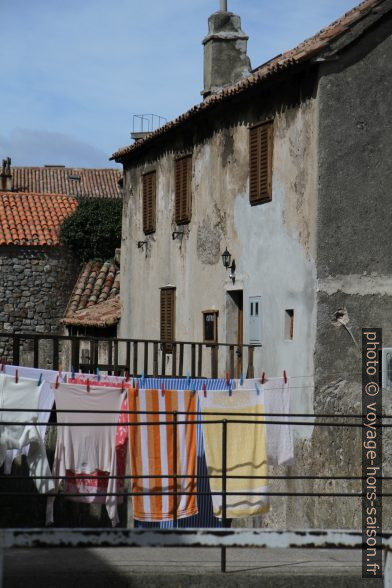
x: 264, y: 71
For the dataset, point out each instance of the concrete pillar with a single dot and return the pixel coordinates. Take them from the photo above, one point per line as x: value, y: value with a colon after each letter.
x: 225, y: 51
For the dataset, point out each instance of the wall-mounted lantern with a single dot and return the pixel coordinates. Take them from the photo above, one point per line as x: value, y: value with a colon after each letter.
x: 178, y: 234
x: 226, y: 259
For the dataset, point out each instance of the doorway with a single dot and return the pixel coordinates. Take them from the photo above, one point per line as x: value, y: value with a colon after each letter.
x: 235, y: 325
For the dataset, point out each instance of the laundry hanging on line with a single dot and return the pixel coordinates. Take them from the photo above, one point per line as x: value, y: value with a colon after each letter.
x: 21, y: 393
x: 45, y: 404
x: 275, y: 396
x: 246, y: 452
x: 152, y: 454
x: 87, y: 453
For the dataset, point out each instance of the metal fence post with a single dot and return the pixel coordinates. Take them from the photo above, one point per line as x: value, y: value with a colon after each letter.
x: 2, y: 547
x: 224, y: 474
x: 388, y: 569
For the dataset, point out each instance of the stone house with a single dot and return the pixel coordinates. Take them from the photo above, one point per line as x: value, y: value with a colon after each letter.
x: 37, y: 275
x: 285, y: 167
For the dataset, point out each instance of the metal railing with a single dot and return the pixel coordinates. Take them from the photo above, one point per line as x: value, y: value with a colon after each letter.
x: 223, y: 540
x: 152, y: 357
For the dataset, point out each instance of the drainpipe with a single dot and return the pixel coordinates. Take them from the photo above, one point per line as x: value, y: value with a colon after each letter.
x: 223, y: 5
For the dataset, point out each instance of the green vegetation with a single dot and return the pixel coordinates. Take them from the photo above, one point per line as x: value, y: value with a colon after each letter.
x: 93, y: 231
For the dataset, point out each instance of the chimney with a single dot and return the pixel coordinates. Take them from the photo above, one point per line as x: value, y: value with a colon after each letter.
x: 6, y: 176
x: 225, y: 58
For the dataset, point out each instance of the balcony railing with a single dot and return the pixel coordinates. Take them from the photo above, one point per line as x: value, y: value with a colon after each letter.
x: 135, y: 356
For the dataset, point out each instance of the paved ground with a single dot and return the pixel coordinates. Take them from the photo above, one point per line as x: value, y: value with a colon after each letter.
x: 182, y: 568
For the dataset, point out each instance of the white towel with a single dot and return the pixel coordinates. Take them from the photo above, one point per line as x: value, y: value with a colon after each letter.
x: 45, y: 402
x: 276, y: 394
x: 22, y: 395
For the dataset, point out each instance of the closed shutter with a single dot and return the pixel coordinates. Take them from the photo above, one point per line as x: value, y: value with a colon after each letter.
x: 183, y: 193
x: 168, y: 314
x: 149, y: 202
x: 260, y: 163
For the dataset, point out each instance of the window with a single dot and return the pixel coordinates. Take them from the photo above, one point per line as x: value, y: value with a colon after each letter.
x: 168, y: 314
x: 255, y: 319
x: 149, y: 202
x: 183, y: 179
x: 261, y: 140
x: 210, y: 326
x: 289, y: 324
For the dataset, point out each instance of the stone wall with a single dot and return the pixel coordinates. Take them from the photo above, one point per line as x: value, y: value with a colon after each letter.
x: 35, y: 286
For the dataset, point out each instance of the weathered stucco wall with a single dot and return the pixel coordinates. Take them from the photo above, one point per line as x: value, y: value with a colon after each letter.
x: 355, y: 150
x: 273, y: 244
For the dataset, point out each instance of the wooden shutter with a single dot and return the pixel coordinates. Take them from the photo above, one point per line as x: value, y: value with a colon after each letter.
x: 261, y: 140
x: 168, y: 314
x: 183, y: 192
x: 149, y: 202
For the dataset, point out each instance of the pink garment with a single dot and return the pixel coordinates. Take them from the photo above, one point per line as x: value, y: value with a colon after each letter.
x: 86, y: 452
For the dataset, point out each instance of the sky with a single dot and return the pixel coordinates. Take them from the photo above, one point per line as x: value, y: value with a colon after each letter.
x: 74, y: 72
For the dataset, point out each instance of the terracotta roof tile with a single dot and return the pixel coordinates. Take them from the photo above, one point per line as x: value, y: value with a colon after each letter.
x: 33, y: 219
x: 304, y: 51
x: 105, y: 314
x: 96, y: 294
x: 82, y: 182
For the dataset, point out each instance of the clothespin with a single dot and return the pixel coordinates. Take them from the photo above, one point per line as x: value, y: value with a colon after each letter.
x: 262, y: 379
x: 188, y: 381
x: 127, y: 376
x: 142, y: 380
x: 98, y: 375
x: 40, y: 380
x: 16, y: 377
x: 285, y: 376
x: 57, y: 382
x: 241, y: 379
x: 227, y: 378
x: 122, y: 385
x: 88, y: 385
x: 230, y: 388
x: 72, y: 373
x: 193, y: 389
x: 205, y: 390
x: 163, y: 389
x: 257, y: 389
x: 137, y: 389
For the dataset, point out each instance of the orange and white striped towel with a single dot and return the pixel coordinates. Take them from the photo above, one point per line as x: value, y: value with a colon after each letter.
x: 151, y: 452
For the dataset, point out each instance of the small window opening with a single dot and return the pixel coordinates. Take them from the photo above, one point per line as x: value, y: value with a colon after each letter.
x: 289, y: 324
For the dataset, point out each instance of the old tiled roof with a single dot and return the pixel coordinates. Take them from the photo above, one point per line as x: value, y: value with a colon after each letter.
x: 95, y: 298
x: 102, y: 183
x: 104, y: 314
x: 306, y: 51
x: 33, y: 219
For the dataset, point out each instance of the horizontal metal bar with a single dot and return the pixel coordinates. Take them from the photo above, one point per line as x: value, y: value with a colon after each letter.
x: 262, y: 538
x: 191, y: 476
x: 183, y: 493
x: 197, y: 422
x: 194, y: 413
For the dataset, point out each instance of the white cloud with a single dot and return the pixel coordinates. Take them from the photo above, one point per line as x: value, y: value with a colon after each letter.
x: 33, y: 147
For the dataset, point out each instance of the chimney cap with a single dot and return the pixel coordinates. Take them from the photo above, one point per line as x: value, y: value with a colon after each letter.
x: 223, y: 5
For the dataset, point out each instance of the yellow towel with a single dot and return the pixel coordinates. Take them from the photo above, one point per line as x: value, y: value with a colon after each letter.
x: 246, y: 451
